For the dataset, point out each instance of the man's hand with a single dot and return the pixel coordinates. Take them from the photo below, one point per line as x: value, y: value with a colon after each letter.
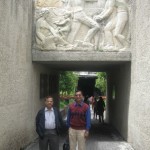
x: 86, y: 134
x: 97, y: 18
x: 43, y: 41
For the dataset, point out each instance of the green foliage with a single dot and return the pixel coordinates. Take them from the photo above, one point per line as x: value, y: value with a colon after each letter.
x: 64, y: 103
x: 101, y: 82
x: 68, y: 82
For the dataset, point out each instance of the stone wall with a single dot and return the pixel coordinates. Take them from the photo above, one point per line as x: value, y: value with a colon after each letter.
x: 118, y: 98
x: 131, y: 116
x: 139, y: 122
x: 19, y: 78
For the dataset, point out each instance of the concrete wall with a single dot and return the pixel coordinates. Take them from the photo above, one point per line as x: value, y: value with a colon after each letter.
x: 119, y: 80
x: 139, y: 122
x: 129, y: 113
x: 19, y: 78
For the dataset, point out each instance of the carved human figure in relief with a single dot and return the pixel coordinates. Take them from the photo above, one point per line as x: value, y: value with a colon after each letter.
x: 117, y: 12
x: 109, y: 13
x: 64, y: 25
x: 76, y: 6
x: 47, y: 38
x: 122, y: 19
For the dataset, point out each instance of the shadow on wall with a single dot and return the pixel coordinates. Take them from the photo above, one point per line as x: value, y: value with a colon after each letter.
x: 119, y: 82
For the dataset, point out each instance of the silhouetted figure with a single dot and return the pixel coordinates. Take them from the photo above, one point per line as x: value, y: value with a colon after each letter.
x: 86, y: 99
x: 95, y: 108
x: 92, y: 102
x: 100, y: 109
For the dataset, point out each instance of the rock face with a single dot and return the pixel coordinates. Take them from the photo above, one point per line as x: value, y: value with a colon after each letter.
x: 81, y: 25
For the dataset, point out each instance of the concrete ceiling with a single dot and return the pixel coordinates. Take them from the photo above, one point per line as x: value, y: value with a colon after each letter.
x: 84, y: 66
x: 82, y: 60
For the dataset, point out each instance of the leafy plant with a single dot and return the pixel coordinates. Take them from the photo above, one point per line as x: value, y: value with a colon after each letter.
x: 68, y: 82
x: 101, y: 82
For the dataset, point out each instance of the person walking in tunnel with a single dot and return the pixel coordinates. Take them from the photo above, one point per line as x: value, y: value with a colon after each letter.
x: 48, y: 125
x: 100, y: 109
x: 78, y: 122
x: 86, y: 99
x: 95, y: 108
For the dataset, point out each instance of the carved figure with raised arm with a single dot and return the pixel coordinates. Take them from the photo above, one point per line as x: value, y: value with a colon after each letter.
x: 47, y: 38
x: 64, y: 25
x: 80, y: 17
x: 108, y: 13
x: 122, y: 19
x: 116, y: 12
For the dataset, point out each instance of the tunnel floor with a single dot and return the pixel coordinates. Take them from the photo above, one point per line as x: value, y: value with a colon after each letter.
x: 102, y: 137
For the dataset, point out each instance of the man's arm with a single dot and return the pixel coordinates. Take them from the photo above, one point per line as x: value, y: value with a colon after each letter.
x: 63, y: 22
x: 108, y: 10
x: 107, y: 13
x: 88, y: 119
x: 88, y: 122
x: 38, y: 130
x: 68, y: 118
x: 60, y: 119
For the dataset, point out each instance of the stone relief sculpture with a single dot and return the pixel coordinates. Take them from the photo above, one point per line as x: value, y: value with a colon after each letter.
x: 108, y: 13
x: 70, y: 27
x: 122, y: 19
x: 64, y: 25
x: 48, y: 3
x: 79, y: 18
x: 48, y: 38
x: 117, y: 12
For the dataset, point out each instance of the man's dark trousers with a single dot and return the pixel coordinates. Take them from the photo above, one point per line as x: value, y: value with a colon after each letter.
x: 50, y: 139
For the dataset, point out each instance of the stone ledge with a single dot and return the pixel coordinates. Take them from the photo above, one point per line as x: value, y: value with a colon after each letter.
x: 72, y: 55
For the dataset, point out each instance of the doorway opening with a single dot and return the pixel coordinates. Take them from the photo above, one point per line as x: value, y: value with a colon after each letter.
x: 118, y: 81
x: 92, y: 84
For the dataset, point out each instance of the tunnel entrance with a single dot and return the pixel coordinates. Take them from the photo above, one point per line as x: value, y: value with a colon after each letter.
x: 86, y: 83
x: 118, y: 86
x: 116, y: 64
x: 117, y: 93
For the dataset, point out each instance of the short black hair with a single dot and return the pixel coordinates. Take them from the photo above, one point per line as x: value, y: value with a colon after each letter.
x: 79, y: 91
x: 48, y: 97
x: 100, y: 98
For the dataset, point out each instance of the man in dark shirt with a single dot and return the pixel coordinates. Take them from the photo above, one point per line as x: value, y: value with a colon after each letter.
x: 48, y: 125
x: 100, y: 109
x: 78, y: 122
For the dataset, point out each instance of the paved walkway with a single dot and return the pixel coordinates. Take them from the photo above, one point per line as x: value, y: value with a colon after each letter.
x: 102, y: 137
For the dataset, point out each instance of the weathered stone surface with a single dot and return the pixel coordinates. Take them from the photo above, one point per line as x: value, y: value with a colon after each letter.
x: 81, y: 25
x: 48, y: 3
x: 19, y: 77
x: 82, y: 60
x: 80, y: 56
x: 139, y: 122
